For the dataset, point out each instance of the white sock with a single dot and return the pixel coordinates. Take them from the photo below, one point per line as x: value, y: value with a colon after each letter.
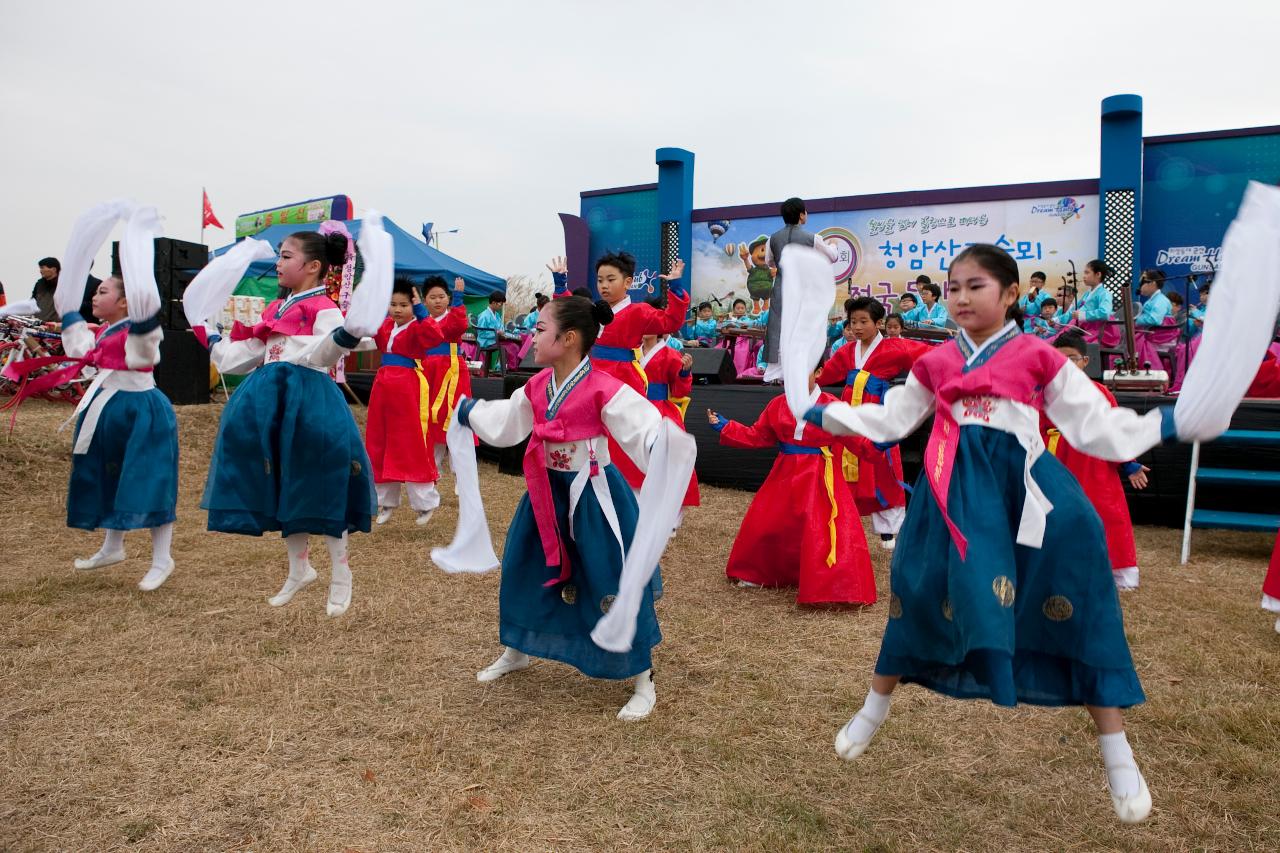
x: 299, y: 555
x: 112, y: 543
x: 642, y: 700
x: 161, y: 544
x: 1122, y: 770
x: 340, y: 576
x: 864, y: 724
x: 300, y: 571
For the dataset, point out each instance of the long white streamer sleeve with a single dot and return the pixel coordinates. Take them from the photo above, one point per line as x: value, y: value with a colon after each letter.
x: 138, y: 263
x: 209, y: 291
x: 1240, y: 323
x: 670, y: 466
x: 87, y: 236
x: 471, y: 549
x: 803, y: 332
x: 25, y: 308
x: 369, y: 302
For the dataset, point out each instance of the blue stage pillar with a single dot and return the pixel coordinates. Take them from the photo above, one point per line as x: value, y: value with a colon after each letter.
x: 1120, y: 188
x: 675, y: 208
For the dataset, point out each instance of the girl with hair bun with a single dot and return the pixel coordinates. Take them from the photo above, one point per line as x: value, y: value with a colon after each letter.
x: 289, y: 456
x: 566, y: 545
x: 1002, y: 588
x: 615, y: 352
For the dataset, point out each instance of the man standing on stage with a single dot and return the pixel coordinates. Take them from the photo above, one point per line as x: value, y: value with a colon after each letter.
x: 794, y: 215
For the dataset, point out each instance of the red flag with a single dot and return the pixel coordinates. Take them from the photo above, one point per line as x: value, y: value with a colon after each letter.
x: 209, y: 218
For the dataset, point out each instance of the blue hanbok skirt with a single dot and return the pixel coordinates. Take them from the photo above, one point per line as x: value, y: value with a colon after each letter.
x: 288, y: 457
x: 1011, y: 623
x: 128, y: 478
x: 555, y: 622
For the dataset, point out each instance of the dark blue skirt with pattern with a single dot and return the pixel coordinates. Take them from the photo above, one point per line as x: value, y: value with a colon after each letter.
x: 555, y: 622
x: 1011, y: 623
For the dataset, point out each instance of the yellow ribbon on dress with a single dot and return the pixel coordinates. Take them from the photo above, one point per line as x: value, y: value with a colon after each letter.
x: 1052, y: 446
x: 829, y: 477
x: 635, y: 361
x: 848, y: 461
x: 448, y: 389
x: 681, y: 403
x: 424, y: 400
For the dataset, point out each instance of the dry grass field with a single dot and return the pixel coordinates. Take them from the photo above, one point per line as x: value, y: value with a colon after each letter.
x: 198, y: 718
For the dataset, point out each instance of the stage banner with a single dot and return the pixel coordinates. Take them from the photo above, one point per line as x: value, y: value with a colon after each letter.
x: 315, y: 210
x: 883, y: 251
x: 1190, y: 193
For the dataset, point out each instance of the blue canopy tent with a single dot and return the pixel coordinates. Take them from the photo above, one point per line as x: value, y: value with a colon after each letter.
x: 414, y: 258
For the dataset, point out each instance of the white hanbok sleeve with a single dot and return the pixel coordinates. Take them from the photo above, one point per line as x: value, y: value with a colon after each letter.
x: 633, y: 422
x: 77, y: 340
x: 503, y: 423
x: 1087, y: 420
x: 667, y: 454
x: 326, y: 349
x: 143, y: 350
x: 235, y: 358
x: 904, y: 408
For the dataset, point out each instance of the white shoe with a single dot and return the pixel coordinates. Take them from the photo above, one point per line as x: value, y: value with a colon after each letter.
x: 424, y: 517
x: 848, y: 748
x: 641, y: 703
x: 337, y: 608
x: 384, y: 515
x: 1278, y: 626
x: 510, y: 661
x: 99, y: 561
x: 155, y: 576
x: 292, y: 588
x: 889, y: 544
x: 747, y: 585
x: 1136, y: 807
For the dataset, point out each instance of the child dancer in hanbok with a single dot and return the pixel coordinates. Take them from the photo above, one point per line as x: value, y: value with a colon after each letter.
x: 288, y: 455
x: 615, y: 351
x: 397, y: 433
x: 124, y: 469
x: 802, y: 528
x: 566, y: 546
x: 865, y: 368
x: 670, y: 377
x: 124, y: 460
x: 1099, y: 478
x: 997, y: 523
x: 445, y: 369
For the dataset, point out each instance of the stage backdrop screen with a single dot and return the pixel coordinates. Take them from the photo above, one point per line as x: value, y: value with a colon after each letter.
x: 883, y: 251
x: 1190, y: 194
x: 626, y: 221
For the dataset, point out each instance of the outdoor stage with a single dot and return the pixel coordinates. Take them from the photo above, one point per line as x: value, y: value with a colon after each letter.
x: 1163, y: 502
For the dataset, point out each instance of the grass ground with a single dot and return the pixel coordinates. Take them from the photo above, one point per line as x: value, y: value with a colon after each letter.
x: 198, y: 718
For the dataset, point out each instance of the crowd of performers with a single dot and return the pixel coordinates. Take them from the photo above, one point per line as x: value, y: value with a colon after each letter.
x: 1006, y: 559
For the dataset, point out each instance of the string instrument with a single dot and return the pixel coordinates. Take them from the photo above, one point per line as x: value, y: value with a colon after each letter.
x: 1131, y: 376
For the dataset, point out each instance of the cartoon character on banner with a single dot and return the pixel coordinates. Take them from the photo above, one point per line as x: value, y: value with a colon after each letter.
x: 759, y: 274
x: 338, y: 283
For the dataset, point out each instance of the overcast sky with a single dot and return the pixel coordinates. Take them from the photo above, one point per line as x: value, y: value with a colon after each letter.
x: 491, y: 117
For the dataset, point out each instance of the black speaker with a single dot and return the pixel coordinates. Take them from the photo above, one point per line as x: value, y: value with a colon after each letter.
x: 177, y: 262
x: 170, y: 255
x: 183, y: 371
x: 712, y: 366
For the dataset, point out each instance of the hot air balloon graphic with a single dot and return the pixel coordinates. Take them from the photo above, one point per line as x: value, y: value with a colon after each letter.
x: 717, y: 227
